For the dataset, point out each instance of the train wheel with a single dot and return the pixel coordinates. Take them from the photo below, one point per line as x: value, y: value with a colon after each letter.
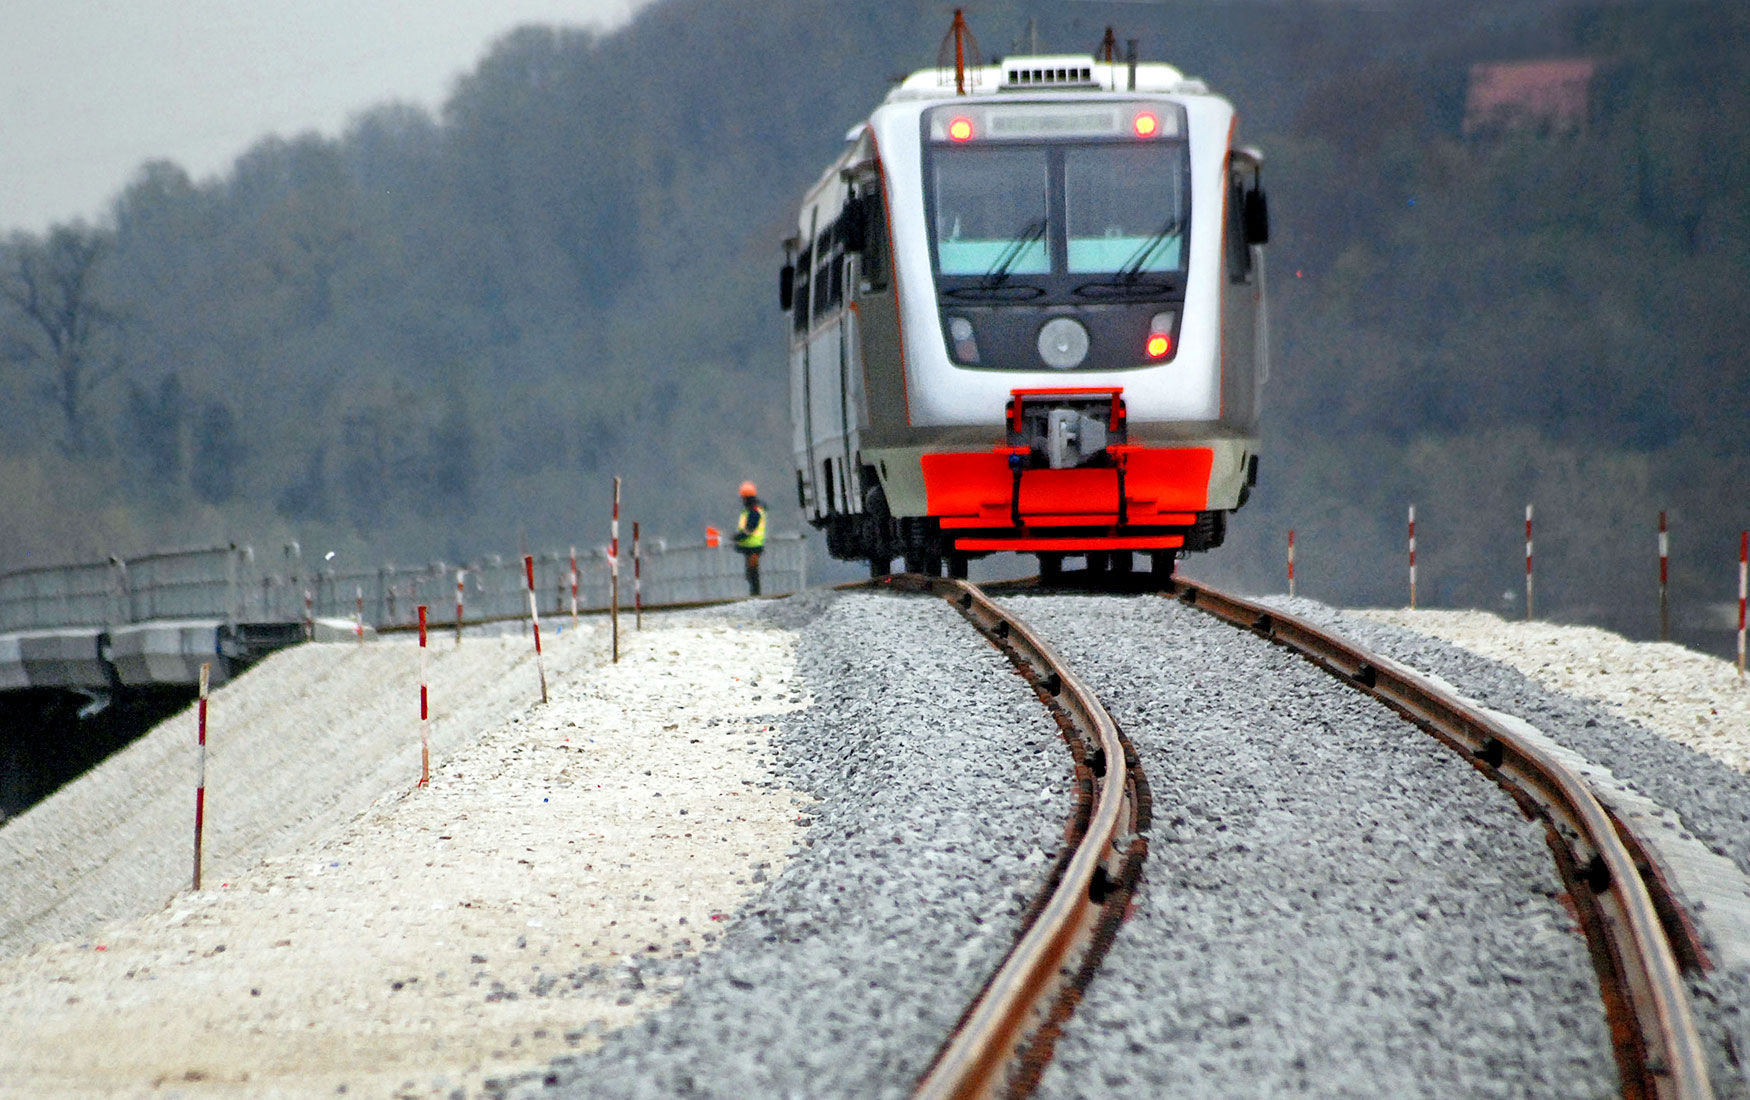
x: 1051, y: 568
x: 1123, y: 561
x: 957, y: 566
x: 880, y: 567
x: 1161, y: 563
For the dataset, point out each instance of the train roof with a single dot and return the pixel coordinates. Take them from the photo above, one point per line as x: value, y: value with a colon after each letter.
x: 1047, y: 73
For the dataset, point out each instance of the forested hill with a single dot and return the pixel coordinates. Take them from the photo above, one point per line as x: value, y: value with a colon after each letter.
x: 430, y: 335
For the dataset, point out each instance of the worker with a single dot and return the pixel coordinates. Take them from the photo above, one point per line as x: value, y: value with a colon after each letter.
x: 750, y: 534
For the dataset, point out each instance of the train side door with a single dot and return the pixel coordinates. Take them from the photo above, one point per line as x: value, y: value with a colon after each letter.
x: 801, y: 384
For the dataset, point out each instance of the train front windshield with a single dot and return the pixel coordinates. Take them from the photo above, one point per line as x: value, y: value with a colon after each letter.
x: 1037, y: 219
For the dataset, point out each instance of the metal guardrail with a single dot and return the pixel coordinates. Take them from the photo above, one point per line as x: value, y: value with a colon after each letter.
x: 74, y: 595
x: 228, y: 584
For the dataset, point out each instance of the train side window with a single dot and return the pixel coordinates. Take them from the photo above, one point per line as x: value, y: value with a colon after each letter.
x: 874, y: 257
x: 803, y: 273
x: 824, y: 253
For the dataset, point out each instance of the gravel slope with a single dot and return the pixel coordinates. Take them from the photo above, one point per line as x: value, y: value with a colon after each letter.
x: 515, y: 909
x: 301, y: 743
x: 1333, y: 903
x: 943, y: 788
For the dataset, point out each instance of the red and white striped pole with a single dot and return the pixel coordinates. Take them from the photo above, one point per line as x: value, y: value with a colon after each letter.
x: 459, y: 574
x: 200, y: 788
x: 358, y: 622
x: 637, y: 580
x: 1743, y: 590
x: 1528, y: 592
x: 1412, y: 557
x: 574, y: 588
x: 424, y: 708
x: 535, y: 621
x: 1664, y: 581
x: 614, y: 572
x: 1291, y: 561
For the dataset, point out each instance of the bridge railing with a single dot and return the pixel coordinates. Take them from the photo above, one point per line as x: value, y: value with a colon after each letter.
x: 227, y: 583
x: 60, y: 596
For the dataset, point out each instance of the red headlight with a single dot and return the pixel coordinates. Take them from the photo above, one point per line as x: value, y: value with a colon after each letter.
x: 960, y: 129
x: 1159, y: 344
x: 1147, y: 125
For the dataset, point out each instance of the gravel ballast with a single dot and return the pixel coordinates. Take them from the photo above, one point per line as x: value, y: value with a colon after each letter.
x: 942, y: 788
x: 1333, y: 903
x: 1677, y: 751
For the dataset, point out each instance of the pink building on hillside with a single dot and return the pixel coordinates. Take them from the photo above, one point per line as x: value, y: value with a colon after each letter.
x: 1551, y: 96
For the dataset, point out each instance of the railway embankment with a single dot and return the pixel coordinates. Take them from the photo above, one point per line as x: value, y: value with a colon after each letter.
x: 776, y: 848
x: 361, y: 936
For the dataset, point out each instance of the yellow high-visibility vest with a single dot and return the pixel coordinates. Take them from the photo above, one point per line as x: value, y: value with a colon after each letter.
x: 751, y: 538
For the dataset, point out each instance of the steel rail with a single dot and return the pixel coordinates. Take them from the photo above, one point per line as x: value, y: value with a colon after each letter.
x: 1658, y: 1049
x: 1005, y: 1037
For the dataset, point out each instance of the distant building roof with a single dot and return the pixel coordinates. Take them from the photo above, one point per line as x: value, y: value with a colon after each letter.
x: 1552, y: 95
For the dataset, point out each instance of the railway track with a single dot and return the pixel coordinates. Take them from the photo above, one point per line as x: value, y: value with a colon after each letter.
x: 1637, y: 936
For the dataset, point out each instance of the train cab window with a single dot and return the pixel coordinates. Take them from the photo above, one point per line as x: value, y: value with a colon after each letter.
x: 800, y: 305
x: 991, y: 210
x: 1125, y: 208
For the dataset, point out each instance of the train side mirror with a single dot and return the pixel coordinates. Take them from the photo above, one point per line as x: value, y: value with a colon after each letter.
x: 1257, y: 216
x: 786, y: 287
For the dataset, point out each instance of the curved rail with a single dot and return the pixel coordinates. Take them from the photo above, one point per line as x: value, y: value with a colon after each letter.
x: 1004, y: 1040
x: 1658, y: 1050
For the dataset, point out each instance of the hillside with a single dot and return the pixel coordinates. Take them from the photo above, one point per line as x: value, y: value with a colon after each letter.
x: 429, y: 335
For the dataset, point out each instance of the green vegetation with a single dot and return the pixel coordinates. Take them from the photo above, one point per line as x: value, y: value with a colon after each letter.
x: 430, y: 335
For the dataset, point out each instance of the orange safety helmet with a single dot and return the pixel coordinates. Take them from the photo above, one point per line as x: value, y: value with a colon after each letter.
x: 747, y: 489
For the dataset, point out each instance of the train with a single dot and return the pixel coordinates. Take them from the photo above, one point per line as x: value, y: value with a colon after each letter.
x: 1026, y: 312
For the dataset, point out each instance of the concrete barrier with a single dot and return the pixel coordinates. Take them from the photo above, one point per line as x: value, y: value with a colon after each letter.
x: 167, y: 653
x: 70, y: 658
x: 12, y: 677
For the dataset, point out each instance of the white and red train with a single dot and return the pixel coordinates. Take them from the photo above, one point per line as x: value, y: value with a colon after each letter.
x: 1027, y: 313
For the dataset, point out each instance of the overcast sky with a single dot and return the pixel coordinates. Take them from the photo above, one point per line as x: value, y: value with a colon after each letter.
x: 90, y: 89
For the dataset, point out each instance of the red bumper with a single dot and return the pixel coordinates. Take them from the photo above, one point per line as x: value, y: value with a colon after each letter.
x: 1125, y: 506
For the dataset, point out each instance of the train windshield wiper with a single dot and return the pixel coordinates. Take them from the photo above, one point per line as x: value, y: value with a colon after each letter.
x: 1129, y: 288
x: 999, y: 271
x: 1139, y: 259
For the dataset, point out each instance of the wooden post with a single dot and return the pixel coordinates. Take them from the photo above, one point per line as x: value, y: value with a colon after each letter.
x: 1664, y: 581
x: 535, y: 621
x: 1528, y: 591
x: 1412, y: 557
x: 424, y: 708
x: 1743, y: 591
x: 574, y: 588
x: 614, y: 572
x: 200, y: 789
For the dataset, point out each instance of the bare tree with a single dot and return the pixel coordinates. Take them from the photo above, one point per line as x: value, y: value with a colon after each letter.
x: 58, y: 321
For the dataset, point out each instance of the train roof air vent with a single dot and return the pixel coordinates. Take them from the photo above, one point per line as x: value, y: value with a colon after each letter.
x: 1048, y: 72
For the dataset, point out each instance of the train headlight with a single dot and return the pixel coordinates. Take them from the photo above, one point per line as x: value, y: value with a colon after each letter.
x: 960, y: 129
x: 965, y: 340
x: 1146, y: 124
x: 1063, y: 343
x: 1160, y: 335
